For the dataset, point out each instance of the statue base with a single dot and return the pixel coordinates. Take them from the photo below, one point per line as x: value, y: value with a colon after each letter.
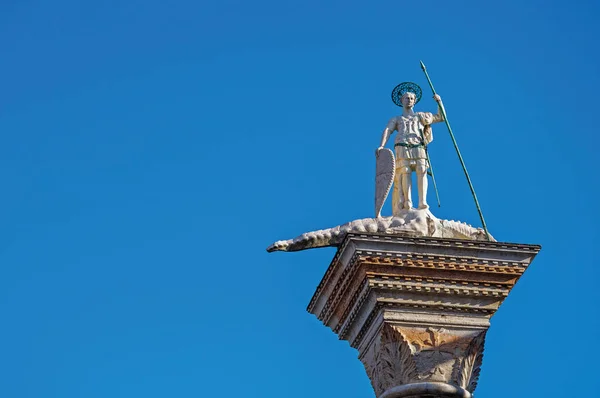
x: 417, y: 308
x: 407, y: 222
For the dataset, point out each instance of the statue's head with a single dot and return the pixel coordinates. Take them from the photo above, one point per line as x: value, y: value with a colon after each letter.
x: 408, y: 99
x: 406, y: 94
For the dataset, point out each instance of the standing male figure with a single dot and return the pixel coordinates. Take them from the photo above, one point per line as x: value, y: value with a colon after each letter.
x: 414, y: 134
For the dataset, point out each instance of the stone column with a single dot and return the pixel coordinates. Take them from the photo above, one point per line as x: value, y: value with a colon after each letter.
x: 417, y: 309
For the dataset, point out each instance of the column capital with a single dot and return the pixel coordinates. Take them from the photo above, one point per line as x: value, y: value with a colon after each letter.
x: 417, y: 309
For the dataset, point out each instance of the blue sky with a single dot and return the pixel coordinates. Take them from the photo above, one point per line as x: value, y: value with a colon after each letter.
x: 150, y: 151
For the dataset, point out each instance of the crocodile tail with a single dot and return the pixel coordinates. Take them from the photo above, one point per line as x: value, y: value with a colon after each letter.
x: 330, y: 236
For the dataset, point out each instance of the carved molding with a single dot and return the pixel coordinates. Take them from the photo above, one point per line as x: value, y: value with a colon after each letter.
x: 444, y: 254
x: 449, y: 263
x: 368, y: 322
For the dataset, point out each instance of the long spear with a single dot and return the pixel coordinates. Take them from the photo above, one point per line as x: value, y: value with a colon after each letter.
x: 462, y: 162
x: 437, y: 195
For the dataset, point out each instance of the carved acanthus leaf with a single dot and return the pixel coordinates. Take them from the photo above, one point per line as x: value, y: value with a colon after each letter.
x: 394, y: 361
x: 468, y: 373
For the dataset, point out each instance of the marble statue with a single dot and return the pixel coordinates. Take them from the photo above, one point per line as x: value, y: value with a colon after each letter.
x: 413, y: 135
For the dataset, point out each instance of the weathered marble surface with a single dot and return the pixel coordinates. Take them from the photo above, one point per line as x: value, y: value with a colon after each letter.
x: 413, y: 222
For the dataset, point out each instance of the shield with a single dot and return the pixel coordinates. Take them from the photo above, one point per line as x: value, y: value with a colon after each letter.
x: 384, y: 177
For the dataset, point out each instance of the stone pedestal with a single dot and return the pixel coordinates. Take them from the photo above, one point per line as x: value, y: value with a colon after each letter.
x: 417, y: 309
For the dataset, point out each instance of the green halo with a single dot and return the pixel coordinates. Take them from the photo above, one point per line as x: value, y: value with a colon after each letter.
x: 403, y: 88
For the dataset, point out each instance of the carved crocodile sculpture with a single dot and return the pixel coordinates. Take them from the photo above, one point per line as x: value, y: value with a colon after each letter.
x: 409, y: 223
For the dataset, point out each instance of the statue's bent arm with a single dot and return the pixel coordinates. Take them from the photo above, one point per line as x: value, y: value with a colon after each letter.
x: 428, y: 118
x: 391, y: 126
x: 439, y: 117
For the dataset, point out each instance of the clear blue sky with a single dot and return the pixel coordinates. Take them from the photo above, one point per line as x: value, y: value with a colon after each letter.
x: 150, y: 151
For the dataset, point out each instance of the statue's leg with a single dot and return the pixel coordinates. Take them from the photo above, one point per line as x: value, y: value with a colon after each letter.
x: 405, y: 176
x: 397, y: 194
x: 398, y: 197
x: 421, y: 170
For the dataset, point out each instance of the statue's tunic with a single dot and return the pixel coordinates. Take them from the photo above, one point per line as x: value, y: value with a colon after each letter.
x: 413, y: 132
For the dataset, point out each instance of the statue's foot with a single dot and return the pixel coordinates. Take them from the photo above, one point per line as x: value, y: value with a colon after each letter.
x: 407, y: 205
x: 423, y: 206
x: 398, y: 210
